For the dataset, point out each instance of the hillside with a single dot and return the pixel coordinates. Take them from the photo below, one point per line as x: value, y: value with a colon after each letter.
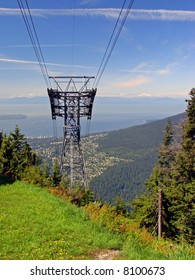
x: 136, y: 141
x: 137, y: 145
x: 34, y: 224
x: 117, y: 162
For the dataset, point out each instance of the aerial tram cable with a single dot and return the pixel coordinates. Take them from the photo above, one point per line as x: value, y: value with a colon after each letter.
x: 96, y: 80
x: 34, y: 39
x: 73, y: 36
x: 110, y: 41
x: 37, y: 48
x: 106, y: 56
x: 107, y: 53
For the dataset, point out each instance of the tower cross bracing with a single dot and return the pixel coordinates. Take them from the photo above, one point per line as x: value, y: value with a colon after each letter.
x: 72, y: 99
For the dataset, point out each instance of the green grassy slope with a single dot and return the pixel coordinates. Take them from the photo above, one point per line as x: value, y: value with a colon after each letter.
x: 34, y: 224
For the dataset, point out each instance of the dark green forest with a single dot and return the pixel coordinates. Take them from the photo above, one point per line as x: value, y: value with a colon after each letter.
x: 125, y: 180
x: 137, y: 141
x: 137, y: 144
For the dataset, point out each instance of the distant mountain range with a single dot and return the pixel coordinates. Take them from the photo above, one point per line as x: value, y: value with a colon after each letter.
x: 109, y: 113
x: 12, y: 117
x: 25, y: 100
x: 104, y: 99
x: 139, y: 145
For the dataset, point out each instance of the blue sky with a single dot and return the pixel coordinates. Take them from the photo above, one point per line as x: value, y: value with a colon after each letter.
x: 154, y: 56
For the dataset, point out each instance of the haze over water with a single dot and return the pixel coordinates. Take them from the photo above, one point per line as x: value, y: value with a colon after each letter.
x: 108, y: 114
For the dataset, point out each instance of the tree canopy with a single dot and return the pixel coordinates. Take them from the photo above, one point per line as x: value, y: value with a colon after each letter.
x: 174, y: 176
x: 15, y: 154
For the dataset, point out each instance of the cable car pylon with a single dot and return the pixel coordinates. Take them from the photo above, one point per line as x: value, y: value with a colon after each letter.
x: 71, y: 99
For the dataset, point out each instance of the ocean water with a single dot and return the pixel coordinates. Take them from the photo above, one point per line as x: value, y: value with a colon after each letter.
x: 108, y: 114
x: 35, y: 126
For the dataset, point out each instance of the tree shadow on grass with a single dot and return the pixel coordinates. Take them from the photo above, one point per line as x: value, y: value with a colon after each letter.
x: 4, y: 180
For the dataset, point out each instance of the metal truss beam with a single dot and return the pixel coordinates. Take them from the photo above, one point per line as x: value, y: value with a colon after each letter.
x: 72, y: 101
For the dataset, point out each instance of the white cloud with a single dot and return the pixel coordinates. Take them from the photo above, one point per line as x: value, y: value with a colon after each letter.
x: 89, y: 47
x: 163, y: 15
x: 42, y: 45
x: 143, y: 67
x: 152, y: 69
x: 165, y: 71
x: 9, y: 60
x: 135, y: 14
x: 84, y: 2
x: 18, y: 61
x: 145, y: 95
x: 133, y: 83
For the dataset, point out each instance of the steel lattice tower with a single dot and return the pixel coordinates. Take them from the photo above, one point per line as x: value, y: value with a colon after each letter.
x: 72, y: 103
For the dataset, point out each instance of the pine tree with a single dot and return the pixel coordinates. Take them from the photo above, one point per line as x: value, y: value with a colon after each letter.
x: 1, y: 138
x: 174, y: 177
x: 5, y: 156
x: 56, y: 176
x: 190, y: 127
x: 157, y: 186
x: 21, y: 154
x: 166, y: 157
x: 15, y: 154
x: 145, y: 206
x: 183, y: 211
x: 182, y: 193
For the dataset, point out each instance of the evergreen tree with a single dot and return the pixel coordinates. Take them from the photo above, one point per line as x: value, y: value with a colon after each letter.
x: 182, y: 193
x: 147, y: 206
x: 166, y: 158
x: 15, y: 154
x: 174, y: 176
x: 1, y: 138
x: 182, y: 207
x: 190, y: 126
x: 56, y: 176
x: 184, y: 171
x: 21, y: 154
x: 45, y: 169
x: 5, y: 156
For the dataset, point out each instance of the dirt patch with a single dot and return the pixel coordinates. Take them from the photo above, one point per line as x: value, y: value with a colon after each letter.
x: 105, y: 254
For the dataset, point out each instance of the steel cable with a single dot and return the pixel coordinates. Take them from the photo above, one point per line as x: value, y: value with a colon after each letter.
x: 106, y: 56
x: 34, y: 39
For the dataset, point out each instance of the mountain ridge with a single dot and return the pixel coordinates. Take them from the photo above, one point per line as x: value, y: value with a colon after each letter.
x: 140, y: 145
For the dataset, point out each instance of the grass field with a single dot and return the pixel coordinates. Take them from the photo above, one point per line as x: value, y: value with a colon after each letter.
x: 35, y: 224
